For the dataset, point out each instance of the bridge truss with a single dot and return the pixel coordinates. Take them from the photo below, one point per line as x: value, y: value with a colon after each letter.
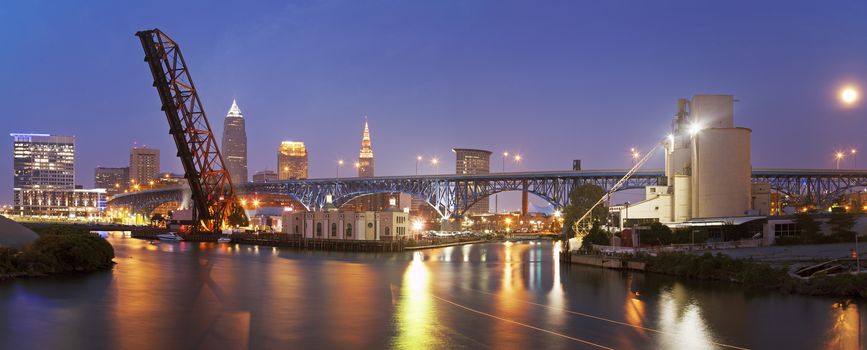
x: 453, y: 195
x: 213, y: 196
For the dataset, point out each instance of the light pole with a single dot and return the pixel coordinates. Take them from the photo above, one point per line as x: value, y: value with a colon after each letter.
x: 417, y: 159
x: 497, y: 196
x: 854, y: 153
x: 436, y: 164
x: 339, y: 164
x: 838, y: 156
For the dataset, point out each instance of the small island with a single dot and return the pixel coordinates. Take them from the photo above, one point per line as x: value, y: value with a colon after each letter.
x: 50, y: 250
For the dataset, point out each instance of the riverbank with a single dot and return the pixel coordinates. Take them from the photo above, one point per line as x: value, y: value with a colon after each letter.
x: 296, y: 241
x: 749, y: 273
x: 58, y: 250
x: 430, y: 246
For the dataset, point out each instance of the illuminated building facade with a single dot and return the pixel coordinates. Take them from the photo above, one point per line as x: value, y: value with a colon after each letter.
x: 43, y: 161
x: 292, y: 161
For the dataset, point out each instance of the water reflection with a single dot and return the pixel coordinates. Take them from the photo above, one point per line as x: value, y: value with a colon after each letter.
x: 634, y: 308
x: 496, y: 295
x: 416, y: 313
x: 681, y: 318
x: 846, y: 332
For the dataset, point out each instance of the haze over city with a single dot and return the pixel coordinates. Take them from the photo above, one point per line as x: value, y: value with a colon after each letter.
x: 554, y: 82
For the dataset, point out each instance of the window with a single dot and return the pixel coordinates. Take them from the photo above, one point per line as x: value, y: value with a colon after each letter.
x: 387, y: 231
x: 787, y: 230
x: 333, y: 230
x: 319, y: 229
x: 369, y: 225
x: 296, y: 229
x: 348, y: 230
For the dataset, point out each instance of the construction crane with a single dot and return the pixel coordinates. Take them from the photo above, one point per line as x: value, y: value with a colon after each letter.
x: 213, y: 195
x: 583, y: 225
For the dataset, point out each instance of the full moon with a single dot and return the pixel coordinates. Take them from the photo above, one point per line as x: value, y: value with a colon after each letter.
x: 849, y: 95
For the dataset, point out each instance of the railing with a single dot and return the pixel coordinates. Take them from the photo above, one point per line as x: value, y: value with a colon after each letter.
x: 745, y: 243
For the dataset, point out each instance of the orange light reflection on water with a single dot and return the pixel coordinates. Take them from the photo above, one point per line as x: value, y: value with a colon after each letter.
x: 417, y: 326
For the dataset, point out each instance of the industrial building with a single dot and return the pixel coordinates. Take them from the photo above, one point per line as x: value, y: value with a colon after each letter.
x: 707, y: 170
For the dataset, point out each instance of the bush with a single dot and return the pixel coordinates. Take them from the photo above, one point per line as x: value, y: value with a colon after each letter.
x: 58, y: 230
x: 55, y: 253
x: 9, y: 261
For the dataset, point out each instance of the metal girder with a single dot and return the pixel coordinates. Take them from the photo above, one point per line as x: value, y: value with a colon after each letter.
x: 453, y: 195
x: 210, y: 185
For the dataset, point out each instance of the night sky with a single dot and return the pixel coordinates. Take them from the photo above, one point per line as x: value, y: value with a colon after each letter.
x: 553, y: 80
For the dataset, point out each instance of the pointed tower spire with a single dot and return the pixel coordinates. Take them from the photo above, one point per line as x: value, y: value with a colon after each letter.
x: 234, y: 111
x: 365, y: 155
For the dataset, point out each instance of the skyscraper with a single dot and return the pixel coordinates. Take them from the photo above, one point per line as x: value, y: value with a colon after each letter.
x: 292, y: 160
x: 473, y: 162
x: 144, y: 165
x: 113, y: 180
x: 234, y: 144
x: 43, y: 161
x: 365, y: 155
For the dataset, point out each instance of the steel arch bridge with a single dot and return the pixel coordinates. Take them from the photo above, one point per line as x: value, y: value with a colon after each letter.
x: 452, y: 195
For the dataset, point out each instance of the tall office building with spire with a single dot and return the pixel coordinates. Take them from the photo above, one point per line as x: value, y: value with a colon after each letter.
x: 365, y: 155
x: 234, y: 144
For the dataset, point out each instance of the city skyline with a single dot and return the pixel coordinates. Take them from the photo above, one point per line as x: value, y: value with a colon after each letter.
x: 576, y: 86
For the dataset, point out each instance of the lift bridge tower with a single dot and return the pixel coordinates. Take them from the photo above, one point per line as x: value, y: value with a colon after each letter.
x: 213, y: 195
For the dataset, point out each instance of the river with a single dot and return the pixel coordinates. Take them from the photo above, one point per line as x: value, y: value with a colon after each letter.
x: 495, y: 295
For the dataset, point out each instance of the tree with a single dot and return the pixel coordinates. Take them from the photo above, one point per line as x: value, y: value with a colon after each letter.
x: 658, y: 234
x: 581, y: 199
x: 596, y: 236
x: 841, y: 224
x: 808, y: 226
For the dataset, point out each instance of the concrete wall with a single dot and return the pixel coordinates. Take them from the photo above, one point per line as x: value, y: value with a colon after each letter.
x: 712, y: 111
x: 681, y: 192
x: 721, y: 173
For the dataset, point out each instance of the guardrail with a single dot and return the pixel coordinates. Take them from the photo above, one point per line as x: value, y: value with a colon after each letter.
x: 745, y: 243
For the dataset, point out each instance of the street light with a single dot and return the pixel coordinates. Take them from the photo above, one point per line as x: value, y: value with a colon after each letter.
x: 854, y: 153
x: 339, y: 164
x: 838, y: 156
x: 849, y: 95
x: 435, y: 162
x: 417, y: 159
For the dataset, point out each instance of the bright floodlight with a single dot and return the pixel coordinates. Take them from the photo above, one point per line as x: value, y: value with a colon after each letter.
x: 694, y: 129
x: 417, y: 225
x: 849, y: 95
